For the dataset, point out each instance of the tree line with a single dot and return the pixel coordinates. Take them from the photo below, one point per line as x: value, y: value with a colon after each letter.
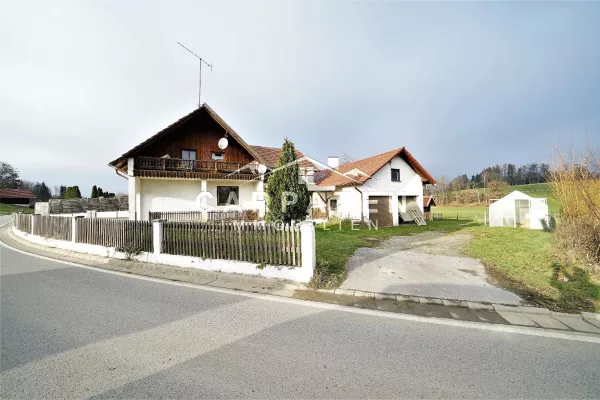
x: 508, y: 173
x: 10, y: 179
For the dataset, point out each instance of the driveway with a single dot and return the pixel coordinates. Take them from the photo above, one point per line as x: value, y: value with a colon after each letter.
x: 427, y: 264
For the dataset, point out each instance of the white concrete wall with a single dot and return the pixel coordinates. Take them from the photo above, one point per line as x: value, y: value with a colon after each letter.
x: 251, y: 195
x: 298, y: 274
x: 349, y: 203
x: 381, y: 184
x: 99, y: 214
x: 181, y: 194
x: 168, y: 195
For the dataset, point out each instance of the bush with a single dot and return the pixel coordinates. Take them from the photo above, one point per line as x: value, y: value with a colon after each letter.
x: 549, y: 225
x: 576, y: 184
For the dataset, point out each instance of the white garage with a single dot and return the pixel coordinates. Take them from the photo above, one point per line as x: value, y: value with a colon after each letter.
x: 519, y: 209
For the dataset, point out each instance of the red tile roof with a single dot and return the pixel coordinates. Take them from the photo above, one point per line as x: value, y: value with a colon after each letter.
x: 427, y: 200
x: 270, y: 156
x: 16, y: 194
x: 370, y: 165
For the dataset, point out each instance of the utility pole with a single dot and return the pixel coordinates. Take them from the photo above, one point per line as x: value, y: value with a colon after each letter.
x: 200, y: 61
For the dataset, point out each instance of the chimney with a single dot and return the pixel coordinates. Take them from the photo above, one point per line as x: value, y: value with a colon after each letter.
x: 333, y: 162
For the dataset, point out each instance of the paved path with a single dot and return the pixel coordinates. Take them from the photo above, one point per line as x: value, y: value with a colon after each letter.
x: 73, y: 332
x: 417, y: 265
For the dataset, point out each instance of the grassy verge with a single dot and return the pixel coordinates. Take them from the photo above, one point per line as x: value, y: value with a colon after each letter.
x: 6, y: 209
x: 523, y: 261
x: 520, y: 260
x: 336, y: 243
x: 472, y: 213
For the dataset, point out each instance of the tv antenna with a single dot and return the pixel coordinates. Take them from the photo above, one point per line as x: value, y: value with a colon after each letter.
x: 200, y: 60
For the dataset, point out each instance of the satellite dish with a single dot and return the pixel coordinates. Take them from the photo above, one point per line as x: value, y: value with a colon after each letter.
x: 262, y: 168
x: 223, y: 142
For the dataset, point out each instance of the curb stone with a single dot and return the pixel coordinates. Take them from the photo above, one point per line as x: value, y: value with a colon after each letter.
x: 516, y: 315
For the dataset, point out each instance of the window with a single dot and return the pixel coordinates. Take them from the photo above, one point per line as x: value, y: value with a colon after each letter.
x: 218, y: 156
x: 333, y: 205
x: 188, y: 157
x: 395, y: 175
x: 228, y: 195
x: 188, y: 154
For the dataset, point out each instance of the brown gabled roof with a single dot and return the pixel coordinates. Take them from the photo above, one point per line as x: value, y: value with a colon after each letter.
x: 371, y: 165
x: 122, y: 161
x: 270, y: 156
x: 17, y: 194
x: 428, y: 200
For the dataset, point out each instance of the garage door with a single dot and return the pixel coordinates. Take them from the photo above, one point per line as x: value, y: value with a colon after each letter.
x: 380, y: 210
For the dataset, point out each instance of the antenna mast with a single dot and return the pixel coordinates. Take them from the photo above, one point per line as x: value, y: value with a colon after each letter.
x: 200, y: 61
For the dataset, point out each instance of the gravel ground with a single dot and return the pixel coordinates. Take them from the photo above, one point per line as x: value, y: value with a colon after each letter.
x: 427, y: 264
x: 431, y: 243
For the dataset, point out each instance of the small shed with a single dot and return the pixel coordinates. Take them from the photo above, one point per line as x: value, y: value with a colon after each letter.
x: 428, y: 202
x: 17, y: 196
x: 519, y: 209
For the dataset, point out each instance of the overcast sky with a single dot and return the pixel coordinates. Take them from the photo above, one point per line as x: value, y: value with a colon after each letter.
x: 461, y: 85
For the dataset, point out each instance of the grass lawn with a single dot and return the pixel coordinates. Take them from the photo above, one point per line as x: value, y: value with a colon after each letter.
x: 520, y: 260
x: 523, y: 261
x: 336, y: 243
x: 472, y: 213
x: 6, y: 209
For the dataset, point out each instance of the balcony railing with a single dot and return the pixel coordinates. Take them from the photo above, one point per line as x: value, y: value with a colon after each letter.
x: 176, y: 164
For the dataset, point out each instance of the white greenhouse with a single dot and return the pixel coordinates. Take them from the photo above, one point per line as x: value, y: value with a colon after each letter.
x: 519, y: 209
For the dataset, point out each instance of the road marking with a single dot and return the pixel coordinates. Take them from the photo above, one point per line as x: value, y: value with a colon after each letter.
x: 540, y: 332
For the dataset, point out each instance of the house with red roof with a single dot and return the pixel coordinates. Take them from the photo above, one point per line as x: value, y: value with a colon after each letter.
x: 386, y: 188
x: 199, y: 163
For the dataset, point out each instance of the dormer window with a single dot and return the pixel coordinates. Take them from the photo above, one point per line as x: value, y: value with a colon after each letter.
x: 218, y: 156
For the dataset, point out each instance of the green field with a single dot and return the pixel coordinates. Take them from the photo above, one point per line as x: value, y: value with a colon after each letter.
x: 6, y: 209
x: 472, y: 213
x: 540, y: 190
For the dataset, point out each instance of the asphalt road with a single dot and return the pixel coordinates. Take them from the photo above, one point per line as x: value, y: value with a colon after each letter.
x: 68, y: 331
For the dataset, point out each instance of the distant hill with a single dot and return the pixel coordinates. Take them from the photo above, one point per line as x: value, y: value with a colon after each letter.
x: 539, y: 190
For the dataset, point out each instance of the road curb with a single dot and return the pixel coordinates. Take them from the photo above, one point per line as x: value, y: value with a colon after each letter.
x: 586, y: 322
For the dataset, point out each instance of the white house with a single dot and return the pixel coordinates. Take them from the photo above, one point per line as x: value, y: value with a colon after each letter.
x: 201, y: 167
x: 519, y: 209
x: 186, y: 168
x: 386, y: 189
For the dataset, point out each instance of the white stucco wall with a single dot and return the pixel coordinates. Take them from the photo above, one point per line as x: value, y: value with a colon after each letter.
x: 181, y: 194
x: 380, y: 184
x: 348, y: 203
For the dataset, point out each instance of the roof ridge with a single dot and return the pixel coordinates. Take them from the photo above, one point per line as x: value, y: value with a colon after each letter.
x: 376, y: 155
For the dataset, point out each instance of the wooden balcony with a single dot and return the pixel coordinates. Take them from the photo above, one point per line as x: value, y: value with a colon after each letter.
x: 158, y: 167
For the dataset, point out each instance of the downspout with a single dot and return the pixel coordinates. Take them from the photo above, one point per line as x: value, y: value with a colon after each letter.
x: 361, y: 203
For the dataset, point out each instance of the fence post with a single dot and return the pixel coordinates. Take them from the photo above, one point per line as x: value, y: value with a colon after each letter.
x: 308, y: 248
x: 34, y: 222
x: 74, y: 229
x: 157, y: 235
